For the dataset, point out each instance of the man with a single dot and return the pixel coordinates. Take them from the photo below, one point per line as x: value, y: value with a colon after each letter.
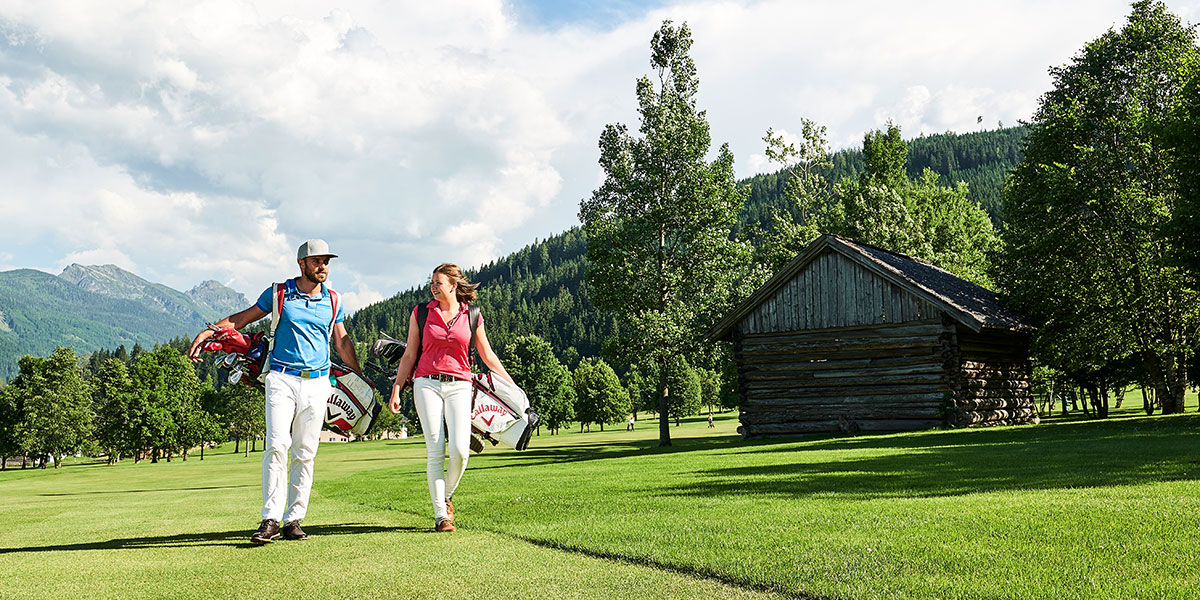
x: 297, y: 386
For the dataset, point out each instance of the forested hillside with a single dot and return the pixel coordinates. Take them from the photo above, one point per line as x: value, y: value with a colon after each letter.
x: 94, y: 307
x: 982, y: 159
x: 536, y: 290
x: 39, y: 311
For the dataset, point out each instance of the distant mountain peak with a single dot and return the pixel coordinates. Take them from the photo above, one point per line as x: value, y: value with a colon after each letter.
x: 208, y: 301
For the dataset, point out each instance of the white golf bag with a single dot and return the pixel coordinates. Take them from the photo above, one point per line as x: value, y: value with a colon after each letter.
x: 352, y: 407
x: 500, y: 411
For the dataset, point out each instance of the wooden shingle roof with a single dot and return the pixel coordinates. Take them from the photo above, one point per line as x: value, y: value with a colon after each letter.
x: 971, y: 305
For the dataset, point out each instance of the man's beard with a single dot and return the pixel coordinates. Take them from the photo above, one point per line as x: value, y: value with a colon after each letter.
x: 315, y: 277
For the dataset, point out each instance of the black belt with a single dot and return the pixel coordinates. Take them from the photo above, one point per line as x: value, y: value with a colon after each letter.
x: 444, y: 378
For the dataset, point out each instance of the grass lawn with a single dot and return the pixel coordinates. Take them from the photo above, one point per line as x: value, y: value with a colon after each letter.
x: 1067, y: 509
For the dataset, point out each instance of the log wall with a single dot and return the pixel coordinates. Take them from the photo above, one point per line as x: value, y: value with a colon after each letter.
x: 833, y: 291
x: 992, y: 380
x: 875, y: 377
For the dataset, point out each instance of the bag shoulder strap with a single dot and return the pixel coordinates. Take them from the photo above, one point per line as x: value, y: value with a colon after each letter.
x: 335, y: 299
x: 472, y: 320
x: 422, y: 316
x: 278, y: 290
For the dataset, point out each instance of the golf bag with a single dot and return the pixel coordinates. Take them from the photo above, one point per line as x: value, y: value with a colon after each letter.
x: 500, y: 411
x: 351, y: 407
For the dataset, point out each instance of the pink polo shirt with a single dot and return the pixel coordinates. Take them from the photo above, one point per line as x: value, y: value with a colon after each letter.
x: 443, y: 348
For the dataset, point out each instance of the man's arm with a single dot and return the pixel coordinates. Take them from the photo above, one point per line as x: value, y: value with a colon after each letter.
x: 345, y: 348
x: 235, y: 321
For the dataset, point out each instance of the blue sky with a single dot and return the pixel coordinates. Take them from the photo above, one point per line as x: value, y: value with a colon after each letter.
x: 187, y: 141
x: 598, y: 15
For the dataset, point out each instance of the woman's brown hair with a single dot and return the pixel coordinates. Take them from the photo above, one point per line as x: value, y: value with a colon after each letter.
x: 463, y: 289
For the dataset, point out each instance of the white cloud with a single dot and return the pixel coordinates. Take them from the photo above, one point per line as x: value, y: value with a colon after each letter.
x: 207, y: 140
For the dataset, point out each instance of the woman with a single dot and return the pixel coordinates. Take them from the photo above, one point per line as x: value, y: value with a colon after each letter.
x: 442, y: 382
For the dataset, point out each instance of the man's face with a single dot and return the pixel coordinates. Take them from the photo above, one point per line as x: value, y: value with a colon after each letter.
x: 315, y: 268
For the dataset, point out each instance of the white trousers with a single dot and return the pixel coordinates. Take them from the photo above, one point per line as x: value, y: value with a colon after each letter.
x: 448, y: 403
x: 295, y: 411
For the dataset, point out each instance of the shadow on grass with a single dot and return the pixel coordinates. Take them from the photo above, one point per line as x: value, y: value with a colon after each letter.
x: 185, y: 489
x: 606, y: 450
x: 239, y: 538
x: 952, y: 463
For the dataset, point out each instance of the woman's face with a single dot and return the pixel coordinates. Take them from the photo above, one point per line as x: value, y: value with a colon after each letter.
x: 441, y: 287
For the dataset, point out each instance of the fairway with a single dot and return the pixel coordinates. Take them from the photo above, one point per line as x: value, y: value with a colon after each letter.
x: 1066, y: 509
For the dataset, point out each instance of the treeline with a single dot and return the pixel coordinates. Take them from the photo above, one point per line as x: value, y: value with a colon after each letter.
x: 140, y: 405
x: 983, y: 160
x: 151, y: 405
x: 593, y: 394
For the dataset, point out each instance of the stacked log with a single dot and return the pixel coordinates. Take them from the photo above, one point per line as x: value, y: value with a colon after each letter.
x: 881, y: 377
x: 993, y: 382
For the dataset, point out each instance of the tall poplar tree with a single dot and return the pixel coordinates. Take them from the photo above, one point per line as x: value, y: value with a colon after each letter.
x: 659, y: 248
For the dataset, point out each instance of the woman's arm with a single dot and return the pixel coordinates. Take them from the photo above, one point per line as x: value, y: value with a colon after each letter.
x: 488, y: 357
x: 406, y: 366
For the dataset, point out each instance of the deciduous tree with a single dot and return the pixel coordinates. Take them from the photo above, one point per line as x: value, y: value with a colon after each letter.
x: 599, y: 396
x: 57, y: 405
x: 659, y: 248
x: 531, y: 362
x: 1088, y: 213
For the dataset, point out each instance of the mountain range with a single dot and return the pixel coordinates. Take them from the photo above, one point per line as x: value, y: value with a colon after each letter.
x: 99, y: 306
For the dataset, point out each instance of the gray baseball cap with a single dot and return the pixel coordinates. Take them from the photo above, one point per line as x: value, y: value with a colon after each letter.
x: 314, y: 248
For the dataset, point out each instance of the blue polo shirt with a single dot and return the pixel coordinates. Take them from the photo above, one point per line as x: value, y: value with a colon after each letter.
x: 302, y: 338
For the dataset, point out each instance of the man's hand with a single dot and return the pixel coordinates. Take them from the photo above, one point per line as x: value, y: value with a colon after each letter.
x: 198, y: 343
x: 234, y: 321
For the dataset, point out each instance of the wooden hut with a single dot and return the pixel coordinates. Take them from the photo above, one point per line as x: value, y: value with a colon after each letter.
x: 851, y: 337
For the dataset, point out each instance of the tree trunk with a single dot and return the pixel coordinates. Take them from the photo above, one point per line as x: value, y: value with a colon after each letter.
x: 664, y: 427
x: 154, y: 455
x: 1146, y: 404
x: 201, y: 451
x: 1167, y: 376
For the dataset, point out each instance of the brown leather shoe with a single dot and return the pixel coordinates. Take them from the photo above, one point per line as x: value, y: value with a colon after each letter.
x: 444, y: 525
x: 291, y: 531
x: 268, y: 531
x: 449, y: 510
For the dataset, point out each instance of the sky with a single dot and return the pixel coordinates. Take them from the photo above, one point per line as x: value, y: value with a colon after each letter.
x: 187, y: 141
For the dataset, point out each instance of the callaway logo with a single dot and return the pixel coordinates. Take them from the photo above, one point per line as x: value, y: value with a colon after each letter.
x: 489, y: 407
x: 337, y: 401
x: 489, y: 420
